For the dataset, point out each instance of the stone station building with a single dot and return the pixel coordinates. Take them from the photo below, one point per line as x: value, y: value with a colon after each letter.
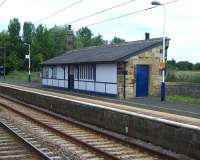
x: 126, y: 70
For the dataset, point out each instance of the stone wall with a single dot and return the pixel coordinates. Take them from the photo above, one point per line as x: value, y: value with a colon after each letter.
x: 120, y: 79
x: 152, y: 57
x: 183, y: 89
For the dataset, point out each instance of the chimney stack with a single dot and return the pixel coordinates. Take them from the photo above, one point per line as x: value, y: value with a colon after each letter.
x: 147, y: 36
x: 69, y: 38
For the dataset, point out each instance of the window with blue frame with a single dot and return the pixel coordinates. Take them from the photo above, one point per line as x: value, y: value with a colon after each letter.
x: 45, y: 73
x: 85, y: 72
x: 54, y: 72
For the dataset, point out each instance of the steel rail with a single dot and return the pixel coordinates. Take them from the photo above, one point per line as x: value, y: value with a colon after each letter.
x: 152, y: 150
x: 32, y: 147
x: 65, y: 135
x: 109, y: 134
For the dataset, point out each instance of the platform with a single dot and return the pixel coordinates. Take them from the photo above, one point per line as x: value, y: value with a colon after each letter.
x: 178, y: 133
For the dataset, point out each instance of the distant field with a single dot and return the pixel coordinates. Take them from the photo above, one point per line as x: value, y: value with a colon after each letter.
x: 23, y: 76
x: 184, y: 76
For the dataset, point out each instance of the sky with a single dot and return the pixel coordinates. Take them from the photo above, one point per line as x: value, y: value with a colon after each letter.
x: 182, y: 20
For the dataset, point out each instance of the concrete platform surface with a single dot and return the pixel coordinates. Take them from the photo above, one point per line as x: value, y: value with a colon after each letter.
x: 177, y: 133
x: 182, y: 113
x: 150, y: 103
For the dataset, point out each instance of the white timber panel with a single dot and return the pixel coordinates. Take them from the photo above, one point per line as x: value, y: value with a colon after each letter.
x: 76, y: 85
x: 66, y: 84
x: 82, y: 85
x: 106, y: 73
x: 100, y: 87
x: 90, y: 86
x: 55, y: 82
x: 61, y: 83
x: 111, y: 88
x: 44, y: 81
x: 50, y: 82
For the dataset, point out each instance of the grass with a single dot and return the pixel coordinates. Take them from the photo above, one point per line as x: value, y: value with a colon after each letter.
x: 23, y: 76
x: 185, y: 99
x: 184, y: 76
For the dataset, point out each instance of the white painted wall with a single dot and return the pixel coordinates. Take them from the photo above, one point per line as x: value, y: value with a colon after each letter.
x: 59, y: 82
x: 106, y: 73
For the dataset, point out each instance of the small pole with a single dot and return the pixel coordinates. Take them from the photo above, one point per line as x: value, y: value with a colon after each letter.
x: 29, y: 64
x: 4, y: 64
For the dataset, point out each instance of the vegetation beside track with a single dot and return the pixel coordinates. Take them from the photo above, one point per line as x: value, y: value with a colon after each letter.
x: 185, y: 99
x: 23, y: 76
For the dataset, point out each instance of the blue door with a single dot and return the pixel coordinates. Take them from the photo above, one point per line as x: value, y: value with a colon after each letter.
x: 142, y: 77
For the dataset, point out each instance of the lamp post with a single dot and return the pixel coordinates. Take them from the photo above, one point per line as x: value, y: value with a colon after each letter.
x: 29, y: 61
x: 163, y: 87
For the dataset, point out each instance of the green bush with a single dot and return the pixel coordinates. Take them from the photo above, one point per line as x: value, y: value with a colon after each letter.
x: 171, y: 77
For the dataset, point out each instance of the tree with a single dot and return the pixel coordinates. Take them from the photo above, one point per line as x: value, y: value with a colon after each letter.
x: 15, y: 49
x: 117, y: 40
x: 14, y: 28
x: 98, y: 41
x: 42, y: 43
x: 58, y: 36
x: 77, y: 42
x: 171, y: 64
x: 28, y: 32
x: 85, y: 35
x: 14, y: 62
x: 184, y: 65
x: 4, y: 43
x: 197, y: 66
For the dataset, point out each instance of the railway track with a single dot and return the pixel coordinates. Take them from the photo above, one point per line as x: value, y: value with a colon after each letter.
x: 70, y: 137
x: 17, y: 145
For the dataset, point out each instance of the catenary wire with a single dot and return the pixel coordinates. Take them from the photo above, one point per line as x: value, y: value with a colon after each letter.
x: 118, y: 17
x: 61, y: 10
x: 129, y: 14
x: 100, y: 12
x: 1, y: 4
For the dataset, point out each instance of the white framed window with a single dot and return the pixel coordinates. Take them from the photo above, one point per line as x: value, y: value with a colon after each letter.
x: 54, y: 72
x: 45, y: 73
x: 86, y: 72
x: 76, y: 72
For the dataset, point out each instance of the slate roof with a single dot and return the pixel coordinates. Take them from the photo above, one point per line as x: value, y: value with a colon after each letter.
x: 107, y: 53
